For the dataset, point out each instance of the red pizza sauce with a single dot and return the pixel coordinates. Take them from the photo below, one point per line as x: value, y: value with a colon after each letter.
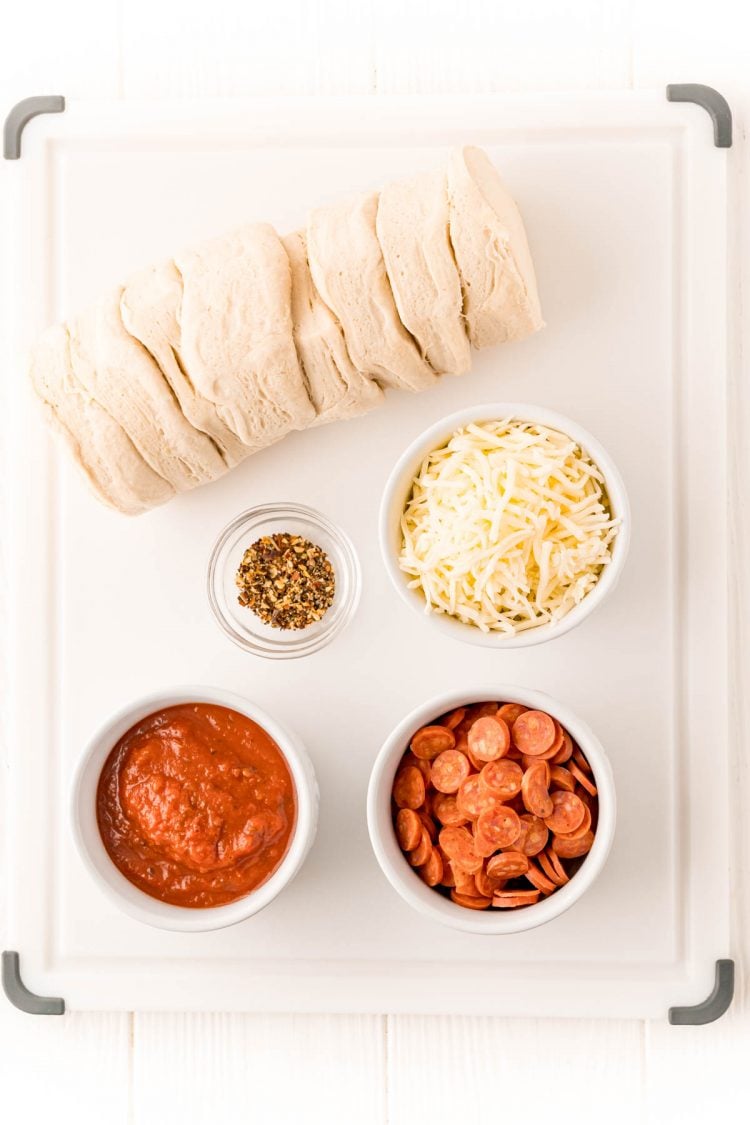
x: 196, y: 805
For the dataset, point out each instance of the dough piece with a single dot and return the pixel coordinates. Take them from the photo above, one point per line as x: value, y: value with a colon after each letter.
x: 412, y: 229
x: 347, y: 267
x: 100, y: 447
x: 236, y: 324
x: 337, y: 388
x: 497, y: 275
x: 122, y: 376
x: 150, y: 306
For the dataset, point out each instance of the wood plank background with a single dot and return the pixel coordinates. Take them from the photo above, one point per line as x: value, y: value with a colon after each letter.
x: 145, y: 1068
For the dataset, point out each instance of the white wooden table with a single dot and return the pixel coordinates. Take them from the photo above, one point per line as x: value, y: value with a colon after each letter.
x: 141, y: 1068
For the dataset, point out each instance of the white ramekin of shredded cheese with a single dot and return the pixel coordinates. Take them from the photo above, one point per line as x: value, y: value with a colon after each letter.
x: 506, y: 524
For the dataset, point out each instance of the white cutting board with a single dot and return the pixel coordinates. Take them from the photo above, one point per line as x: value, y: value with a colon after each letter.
x: 624, y: 202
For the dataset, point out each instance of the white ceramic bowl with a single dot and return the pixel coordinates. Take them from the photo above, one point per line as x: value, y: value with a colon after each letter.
x: 398, y: 488
x: 113, y: 883
x: 431, y: 903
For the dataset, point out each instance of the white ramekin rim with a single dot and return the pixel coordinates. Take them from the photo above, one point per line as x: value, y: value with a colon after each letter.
x: 107, y: 876
x: 399, y: 483
x: 405, y: 880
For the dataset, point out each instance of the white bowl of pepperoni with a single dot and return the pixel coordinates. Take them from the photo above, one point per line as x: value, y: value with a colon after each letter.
x: 491, y: 811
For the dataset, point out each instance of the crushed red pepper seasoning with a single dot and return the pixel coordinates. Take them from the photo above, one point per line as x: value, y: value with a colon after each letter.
x: 286, y: 580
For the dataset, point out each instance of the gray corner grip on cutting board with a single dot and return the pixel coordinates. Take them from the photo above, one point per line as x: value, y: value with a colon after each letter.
x: 714, y: 1005
x: 19, y: 995
x: 19, y: 117
x: 714, y: 103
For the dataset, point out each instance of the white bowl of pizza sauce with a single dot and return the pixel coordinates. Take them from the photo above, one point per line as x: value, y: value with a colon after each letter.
x: 115, y: 881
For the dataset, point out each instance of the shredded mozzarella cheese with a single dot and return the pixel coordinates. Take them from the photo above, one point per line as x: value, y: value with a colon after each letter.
x: 507, y: 527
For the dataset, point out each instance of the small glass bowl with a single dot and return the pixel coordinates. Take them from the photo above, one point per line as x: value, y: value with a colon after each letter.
x: 239, y: 622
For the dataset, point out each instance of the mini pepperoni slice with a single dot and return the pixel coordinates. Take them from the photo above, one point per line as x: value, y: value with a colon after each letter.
x: 552, y: 867
x: 476, y: 763
x: 507, y: 865
x: 543, y: 861
x: 453, y: 718
x: 483, y: 846
x: 516, y: 803
x: 432, y: 871
x: 431, y: 741
x: 464, y: 726
x: 533, y: 837
x: 498, y: 826
x: 408, y: 829
x: 502, y: 778
x: 445, y: 808
x: 582, y: 828
x: 509, y: 712
x: 473, y: 902
x: 572, y: 849
x: 520, y: 843
x: 489, y: 738
x: 429, y: 823
x: 531, y: 760
x: 482, y: 711
x: 458, y: 844
x: 506, y: 900
x: 556, y: 864
x: 567, y: 813
x: 534, y: 732
x: 565, y: 751
x: 557, y: 745
x: 592, y: 805
x: 487, y: 885
x: 462, y: 744
x: 535, y: 790
x: 463, y: 881
x: 420, y: 763
x: 552, y: 751
x: 421, y: 853
x: 449, y: 878
x: 580, y: 760
x: 538, y: 879
x: 449, y: 770
x: 582, y: 779
x: 560, y: 778
x: 408, y: 788
x: 472, y: 798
